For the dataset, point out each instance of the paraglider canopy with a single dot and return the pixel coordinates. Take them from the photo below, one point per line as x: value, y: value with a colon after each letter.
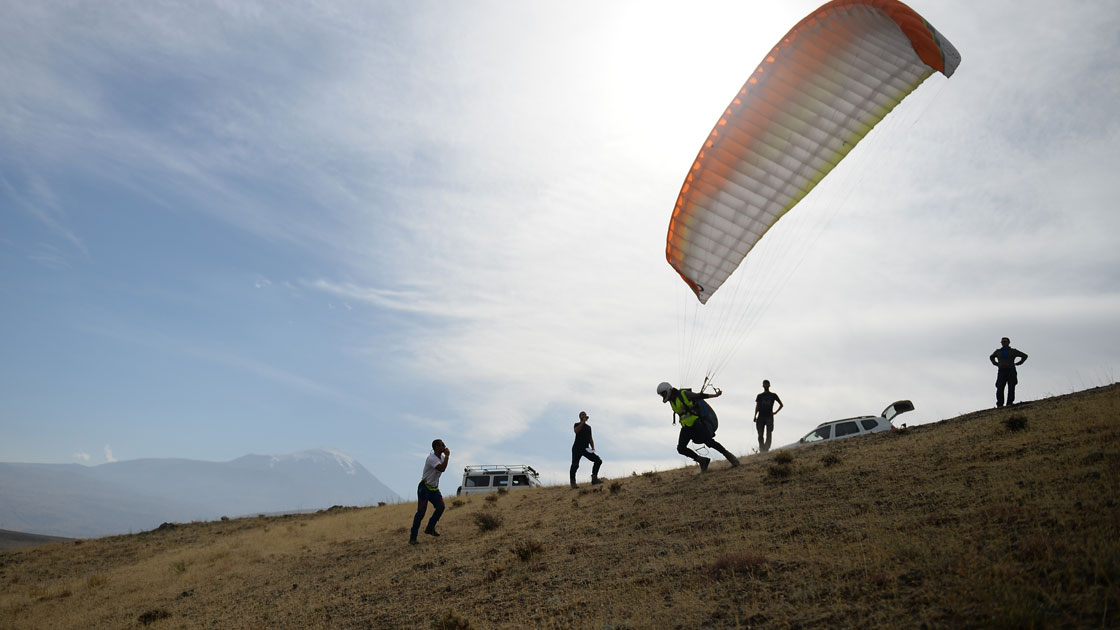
x: 821, y: 89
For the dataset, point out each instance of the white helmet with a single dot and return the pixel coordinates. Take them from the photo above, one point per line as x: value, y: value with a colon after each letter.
x: 663, y: 390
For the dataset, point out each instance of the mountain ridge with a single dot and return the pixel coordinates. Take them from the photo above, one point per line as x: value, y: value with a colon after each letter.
x: 76, y: 501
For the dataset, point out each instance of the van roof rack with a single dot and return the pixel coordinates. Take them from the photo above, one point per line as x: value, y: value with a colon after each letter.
x: 490, y: 468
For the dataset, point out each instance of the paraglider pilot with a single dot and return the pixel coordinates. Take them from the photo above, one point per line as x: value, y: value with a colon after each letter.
x: 686, y: 405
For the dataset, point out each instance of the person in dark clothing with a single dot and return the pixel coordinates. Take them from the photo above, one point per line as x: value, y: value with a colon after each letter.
x: 1006, y: 358
x: 683, y: 402
x: 584, y: 446
x: 764, y: 415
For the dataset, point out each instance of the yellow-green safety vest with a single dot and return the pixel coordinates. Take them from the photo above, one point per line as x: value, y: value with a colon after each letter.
x: 682, y: 406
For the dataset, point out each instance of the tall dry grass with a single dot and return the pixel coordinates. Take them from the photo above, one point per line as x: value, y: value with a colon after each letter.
x: 997, y: 519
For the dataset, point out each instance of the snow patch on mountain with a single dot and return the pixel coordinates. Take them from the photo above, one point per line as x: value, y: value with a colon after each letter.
x: 323, y: 456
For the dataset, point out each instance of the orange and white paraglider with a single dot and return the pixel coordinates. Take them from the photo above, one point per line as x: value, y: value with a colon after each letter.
x: 818, y: 92
x: 821, y: 89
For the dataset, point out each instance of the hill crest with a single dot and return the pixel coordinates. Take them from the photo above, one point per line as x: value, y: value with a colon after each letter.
x: 999, y: 518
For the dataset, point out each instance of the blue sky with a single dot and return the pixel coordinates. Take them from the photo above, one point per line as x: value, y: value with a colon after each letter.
x: 237, y: 227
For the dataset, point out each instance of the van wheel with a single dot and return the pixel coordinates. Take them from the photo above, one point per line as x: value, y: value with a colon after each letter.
x: 458, y: 490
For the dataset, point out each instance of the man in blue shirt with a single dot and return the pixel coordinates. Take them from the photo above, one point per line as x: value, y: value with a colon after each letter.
x: 1006, y: 358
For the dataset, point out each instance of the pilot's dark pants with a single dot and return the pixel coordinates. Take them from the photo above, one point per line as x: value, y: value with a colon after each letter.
x: 700, y: 436
x: 1007, y: 377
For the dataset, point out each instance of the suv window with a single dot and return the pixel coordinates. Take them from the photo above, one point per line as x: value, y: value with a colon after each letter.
x: 520, y: 480
x: 478, y: 481
x: 501, y: 481
x: 846, y: 428
x: 822, y: 433
x: 869, y: 424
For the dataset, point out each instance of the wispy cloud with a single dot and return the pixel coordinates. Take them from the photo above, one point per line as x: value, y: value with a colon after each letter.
x: 39, y: 202
x: 109, y: 454
x: 415, y: 300
x: 82, y: 457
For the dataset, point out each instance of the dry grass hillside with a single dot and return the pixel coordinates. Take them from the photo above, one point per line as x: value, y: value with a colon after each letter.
x: 996, y: 519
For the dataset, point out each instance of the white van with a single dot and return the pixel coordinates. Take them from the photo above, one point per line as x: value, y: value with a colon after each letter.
x: 491, y: 478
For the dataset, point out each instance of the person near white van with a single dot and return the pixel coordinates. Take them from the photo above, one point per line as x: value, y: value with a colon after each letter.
x: 764, y: 415
x: 428, y: 491
x: 584, y: 446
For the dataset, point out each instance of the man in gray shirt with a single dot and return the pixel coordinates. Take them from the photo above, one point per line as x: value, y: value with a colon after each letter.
x: 764, y: 415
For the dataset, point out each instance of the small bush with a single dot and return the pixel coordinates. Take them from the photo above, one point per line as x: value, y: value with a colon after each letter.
x: 783, y: 458
x: 780, y: 471
x: 450, y: 621
x: 487, y: 522
x: 830, y: 459
x: 458, y: 503
x: 739, y: 564
x: 494, y: 574
x: 153, y: 616
x: 615, y: 487
x: 503, y: 491
x: 1015, y: 423
x: 527, y: 549
x: 491, y: 498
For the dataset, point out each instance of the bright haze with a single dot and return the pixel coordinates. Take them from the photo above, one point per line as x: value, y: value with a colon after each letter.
x: 263, y: 227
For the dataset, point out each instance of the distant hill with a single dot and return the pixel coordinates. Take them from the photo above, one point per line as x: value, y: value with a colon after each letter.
x: 1002, y: 518
x: 16, y: 540
x: 120, y: 497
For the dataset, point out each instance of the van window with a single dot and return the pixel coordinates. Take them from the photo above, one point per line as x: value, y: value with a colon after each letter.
x: 846, y: 428
x: 478, y: 481
x: 869, y: 424
x: 501, y: 481
x: 520, y: 480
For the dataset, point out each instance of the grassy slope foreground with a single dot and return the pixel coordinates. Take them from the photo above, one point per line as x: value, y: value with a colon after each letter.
x: 1000, y: 518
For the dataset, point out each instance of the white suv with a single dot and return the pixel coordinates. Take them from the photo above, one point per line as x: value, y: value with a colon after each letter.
x: 851, y: 427
x: 480, y: 479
